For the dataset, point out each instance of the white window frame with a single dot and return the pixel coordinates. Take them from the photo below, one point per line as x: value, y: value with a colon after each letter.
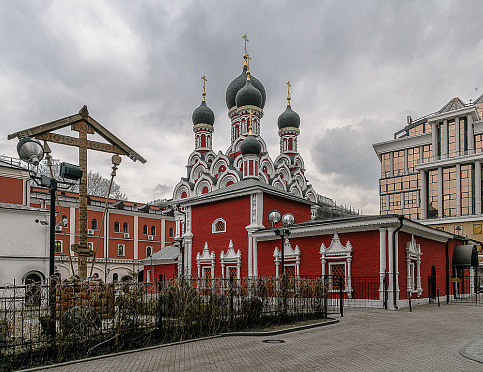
x: 230, y: 259
x: 213, y: 226
x: 151, y: 249
x: 337, y: 254
x: 123, y: 250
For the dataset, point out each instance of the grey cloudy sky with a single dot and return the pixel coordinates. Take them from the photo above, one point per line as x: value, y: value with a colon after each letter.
x: 357, y: 68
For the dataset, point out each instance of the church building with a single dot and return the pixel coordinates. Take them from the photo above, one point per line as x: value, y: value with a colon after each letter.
x: 221, y: 212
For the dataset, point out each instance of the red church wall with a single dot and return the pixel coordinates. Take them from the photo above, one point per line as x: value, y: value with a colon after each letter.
x: 236, y: 213
x: 301, y: 211
x: 11, y: 190
x: 365, y: 255
x: 161, y: 272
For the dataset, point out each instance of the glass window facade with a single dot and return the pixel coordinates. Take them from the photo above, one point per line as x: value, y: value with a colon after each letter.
x: 386, y: 165
x: 413, y: 159
x: 449, y: 191
x: 467, y: 190
x: 463, y: 136
x: 433, y: 193
x: 398, y: 162
x: 451, y: 139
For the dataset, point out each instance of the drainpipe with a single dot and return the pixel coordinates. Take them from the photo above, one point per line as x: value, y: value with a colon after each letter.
x: 401, y: 220
x: 447, y: 272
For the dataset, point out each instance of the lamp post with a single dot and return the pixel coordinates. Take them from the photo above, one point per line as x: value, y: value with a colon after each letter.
x: 274, y: 216
x: 31, y: 151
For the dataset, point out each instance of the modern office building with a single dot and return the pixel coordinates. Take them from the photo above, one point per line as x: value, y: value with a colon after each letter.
x: 431, y: 170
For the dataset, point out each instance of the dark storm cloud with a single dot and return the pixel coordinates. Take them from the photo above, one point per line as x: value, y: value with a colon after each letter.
x: 354, y: 66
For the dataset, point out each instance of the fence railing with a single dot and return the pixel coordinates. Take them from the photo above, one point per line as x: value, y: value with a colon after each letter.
x: 466, y: 288
x: 42, y: 324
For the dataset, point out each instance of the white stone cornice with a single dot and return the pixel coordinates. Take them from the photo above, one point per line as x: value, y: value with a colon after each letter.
x: 402, y: 143
x: 451, y: 114
x: 450, y: 161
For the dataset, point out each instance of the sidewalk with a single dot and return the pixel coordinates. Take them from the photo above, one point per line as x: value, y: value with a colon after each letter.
x: 431, y: 338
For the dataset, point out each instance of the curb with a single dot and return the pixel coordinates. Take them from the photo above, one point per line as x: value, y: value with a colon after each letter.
x: 115, y: 354
x: 475, y: 351
x: 280, y: 331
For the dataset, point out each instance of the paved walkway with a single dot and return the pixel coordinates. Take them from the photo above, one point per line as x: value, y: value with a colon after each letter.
x: 430, y: 338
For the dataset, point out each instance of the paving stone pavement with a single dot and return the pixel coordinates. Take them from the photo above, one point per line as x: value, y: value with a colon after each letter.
x: 430, y: 338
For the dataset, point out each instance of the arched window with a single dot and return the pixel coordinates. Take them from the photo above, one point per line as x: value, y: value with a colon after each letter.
x: 205, y: 190
x: 145, y: 230
x: 58, y: 246
x: 203, y: 140
x: 218, y: 226
x: 171, y: 232
x: 116, y: 226
x: 125, y: 227
x: 115, y: 277
x: 94, y: 224
x: 184, y: 195
x: 153, y: 230
x: 149, y: 251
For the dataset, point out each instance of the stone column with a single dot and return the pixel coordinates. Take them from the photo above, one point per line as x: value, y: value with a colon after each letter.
x: 477, y: 181
x: 440, y: 192
x: 457, y: 135
x: 382, y: 261
x: 445, y: 139
x: 390, y: 276
x: 471, y: 135
x: 458, y: 189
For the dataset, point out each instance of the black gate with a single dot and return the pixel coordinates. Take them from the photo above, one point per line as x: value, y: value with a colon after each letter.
x: 432, y: 285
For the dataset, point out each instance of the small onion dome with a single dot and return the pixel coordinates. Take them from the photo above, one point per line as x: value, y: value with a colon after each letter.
x: 238, y: 83
x: 288, y: 119
x: 248, y: 96
x: 203, y: 115
x: 250, y: 146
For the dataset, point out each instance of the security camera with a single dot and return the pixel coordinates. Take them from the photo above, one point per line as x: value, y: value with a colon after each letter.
x: 42, y: 222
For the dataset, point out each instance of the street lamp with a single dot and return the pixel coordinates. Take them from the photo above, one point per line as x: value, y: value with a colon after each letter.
x: 31, y: 151
x: 274, y: 216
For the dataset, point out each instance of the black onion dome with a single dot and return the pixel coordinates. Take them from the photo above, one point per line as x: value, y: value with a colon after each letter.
x: 248, y: 96
x: 250, y: 146
x: 238, y: 83
x: 203, y: 115
x: 288, y: 119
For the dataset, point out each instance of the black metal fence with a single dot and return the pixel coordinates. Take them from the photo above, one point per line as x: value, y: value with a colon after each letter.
x: 466, y: 288
x: 42, y: 324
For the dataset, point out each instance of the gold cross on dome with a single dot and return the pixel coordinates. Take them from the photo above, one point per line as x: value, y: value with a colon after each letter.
x: 246, y: 39
x: 204, y: 81
x: 288, y: 90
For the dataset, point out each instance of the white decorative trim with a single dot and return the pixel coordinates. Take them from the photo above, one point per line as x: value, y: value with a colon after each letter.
x: 213, y: 226
x: 343, y: 255
x: 291, y: 257
x: 206, y: 259
x: 230, y: 259
x: 413, y: 263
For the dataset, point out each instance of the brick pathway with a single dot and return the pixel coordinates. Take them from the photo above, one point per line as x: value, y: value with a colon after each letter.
x: 427, y: 339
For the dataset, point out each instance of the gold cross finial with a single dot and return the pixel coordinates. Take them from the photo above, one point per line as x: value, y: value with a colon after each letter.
x: 246, y: 39
x: 204, y: 81
x: 288, y: 90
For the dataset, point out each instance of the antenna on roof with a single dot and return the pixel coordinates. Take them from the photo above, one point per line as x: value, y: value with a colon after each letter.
x: 409, y: 119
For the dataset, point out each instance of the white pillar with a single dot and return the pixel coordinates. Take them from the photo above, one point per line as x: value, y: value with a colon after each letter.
x: 458, y: 189
x: 471, y: 136
x: 382, y: 261
x: 477, y: 182
x: 250, y: 255
x: 457, y: 135
x: 440, y: 192
x: 445, y: 139
x: 406, y: 171
x: 390, y: 276
x: 391, y: 164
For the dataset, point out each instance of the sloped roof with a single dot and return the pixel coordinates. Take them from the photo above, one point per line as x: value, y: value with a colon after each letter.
x: 167, y: 254
x: 479, y: 100
x: 452, y: 105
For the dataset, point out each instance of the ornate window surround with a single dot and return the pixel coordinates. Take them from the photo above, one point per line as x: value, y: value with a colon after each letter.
x: 337, y: 254
x: 413, y: 262
x: 230, y: 259
x: 291, y: 257
x: 206, y: 259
